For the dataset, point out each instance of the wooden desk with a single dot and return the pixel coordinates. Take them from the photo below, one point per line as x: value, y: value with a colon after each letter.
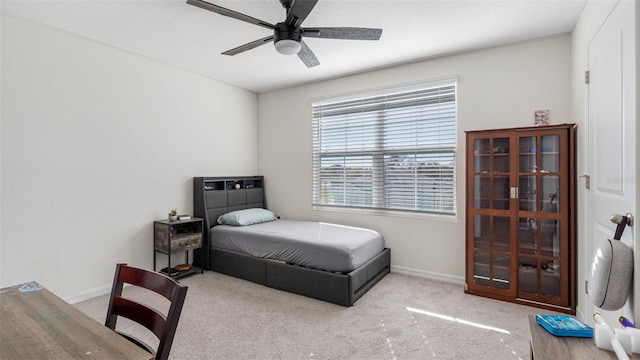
x: 545, y: 346
x: 36, y: 324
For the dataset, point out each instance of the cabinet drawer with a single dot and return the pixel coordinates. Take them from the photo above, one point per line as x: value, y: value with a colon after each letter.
x: 179, y: 243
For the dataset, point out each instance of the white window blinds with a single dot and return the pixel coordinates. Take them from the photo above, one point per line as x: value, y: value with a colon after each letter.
x: 391, y: 151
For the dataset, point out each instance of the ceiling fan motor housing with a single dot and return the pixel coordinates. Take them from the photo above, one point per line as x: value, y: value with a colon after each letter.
x: 286, y: 32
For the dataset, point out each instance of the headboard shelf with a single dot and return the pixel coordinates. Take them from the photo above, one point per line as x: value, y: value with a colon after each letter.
x: 215, y: 196
x: 218, y: 184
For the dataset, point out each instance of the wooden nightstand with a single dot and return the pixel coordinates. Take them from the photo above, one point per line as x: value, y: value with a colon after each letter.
x: 170, y: 237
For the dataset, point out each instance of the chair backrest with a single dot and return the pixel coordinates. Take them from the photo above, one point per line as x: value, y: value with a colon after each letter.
x: 163, y: 326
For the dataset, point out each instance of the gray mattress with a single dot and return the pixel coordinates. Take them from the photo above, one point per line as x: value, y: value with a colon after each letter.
x: 311, y: 244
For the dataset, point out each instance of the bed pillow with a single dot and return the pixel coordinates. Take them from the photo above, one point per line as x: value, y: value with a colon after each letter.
x: 246, y: 217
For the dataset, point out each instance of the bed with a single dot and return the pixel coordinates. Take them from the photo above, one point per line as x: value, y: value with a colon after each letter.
x: 346, y: 274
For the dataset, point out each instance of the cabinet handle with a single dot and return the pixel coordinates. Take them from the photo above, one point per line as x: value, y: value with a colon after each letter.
x: 514, y: 192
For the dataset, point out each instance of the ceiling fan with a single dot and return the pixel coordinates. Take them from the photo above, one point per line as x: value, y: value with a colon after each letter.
x: 287, y: 35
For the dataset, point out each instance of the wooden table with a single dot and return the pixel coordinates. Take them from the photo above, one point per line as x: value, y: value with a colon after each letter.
x: 545, y: 346
x: 36, y: 324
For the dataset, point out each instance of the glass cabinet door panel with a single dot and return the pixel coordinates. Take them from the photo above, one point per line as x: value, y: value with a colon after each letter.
x: 481, y: 151
x: 481, y: 192
x: 501, y: 155
x: 550, y: 279
x: 501, y: 145
x: 550, y: 163
x: 481, y: 273
x: 501, y: 271
x: 527, y: 235
x: 550, y: 192
x: 550, y: 153
x: 528, y: 148
x: 527, y: 144
x: 501, y: 163
x: 481, y: 146
x: 527, y: 193
x: 528, y: 163
x: 481, y: 231
x: 550, y: 237
x: 501, y: 233
x: 501, y: 193
x: 481, y: 163
x: 528, y: 275
x: 550, y: 143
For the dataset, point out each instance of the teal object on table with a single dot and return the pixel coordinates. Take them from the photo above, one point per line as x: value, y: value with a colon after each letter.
x: 564, y: 325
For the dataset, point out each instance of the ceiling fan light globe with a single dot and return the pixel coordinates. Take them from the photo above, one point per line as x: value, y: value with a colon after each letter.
x: 288, y: 47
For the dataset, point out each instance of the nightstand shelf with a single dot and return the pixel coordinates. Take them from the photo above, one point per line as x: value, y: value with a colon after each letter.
x: 179, y: 236
x: 179, y: 274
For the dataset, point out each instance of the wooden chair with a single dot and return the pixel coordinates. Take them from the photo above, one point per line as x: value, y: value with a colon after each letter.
x: 163, y: 327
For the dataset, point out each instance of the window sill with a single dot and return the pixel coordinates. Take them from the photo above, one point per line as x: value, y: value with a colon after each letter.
x: 384, y: 212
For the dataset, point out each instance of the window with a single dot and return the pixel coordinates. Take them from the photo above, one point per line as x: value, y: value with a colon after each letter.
x: 393, y: 150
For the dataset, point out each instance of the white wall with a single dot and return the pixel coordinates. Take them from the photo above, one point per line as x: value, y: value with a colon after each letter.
x: 96, y: 143
x: 497, y: 88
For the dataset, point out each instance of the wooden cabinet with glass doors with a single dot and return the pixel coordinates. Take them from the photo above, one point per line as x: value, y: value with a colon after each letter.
x: 520, y: 224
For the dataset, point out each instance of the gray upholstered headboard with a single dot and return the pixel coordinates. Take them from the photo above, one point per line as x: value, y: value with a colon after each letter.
x: 214, y: 196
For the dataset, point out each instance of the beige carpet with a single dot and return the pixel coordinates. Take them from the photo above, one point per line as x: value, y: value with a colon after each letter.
x: 402, y: 317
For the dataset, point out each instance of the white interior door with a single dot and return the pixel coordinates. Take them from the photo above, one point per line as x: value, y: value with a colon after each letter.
x: 612, y: 135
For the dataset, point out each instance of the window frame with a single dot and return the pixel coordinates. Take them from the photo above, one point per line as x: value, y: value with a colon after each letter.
x: 379, y: 202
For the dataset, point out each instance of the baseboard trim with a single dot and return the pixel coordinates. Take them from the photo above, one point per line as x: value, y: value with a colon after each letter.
x: 90, y: 294
x: 457, y: 280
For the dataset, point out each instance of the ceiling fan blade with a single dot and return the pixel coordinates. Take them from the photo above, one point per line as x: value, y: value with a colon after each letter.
x: 248, y: 46
x: 299, y: 11
x: 307, y: 56
x: 350, y: 33
x: 230, y: 13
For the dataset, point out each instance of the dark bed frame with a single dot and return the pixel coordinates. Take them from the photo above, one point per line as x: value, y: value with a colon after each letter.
x: 214, y: 196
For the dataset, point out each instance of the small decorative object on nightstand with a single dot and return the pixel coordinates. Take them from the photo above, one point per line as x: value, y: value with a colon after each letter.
x: 173, y: 215
x: 170, y: 237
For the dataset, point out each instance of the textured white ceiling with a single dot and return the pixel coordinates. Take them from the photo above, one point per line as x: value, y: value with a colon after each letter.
x: 189, y: 37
